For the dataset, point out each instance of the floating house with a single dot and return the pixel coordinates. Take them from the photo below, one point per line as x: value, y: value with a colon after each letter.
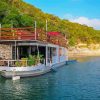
x: 29, y: 51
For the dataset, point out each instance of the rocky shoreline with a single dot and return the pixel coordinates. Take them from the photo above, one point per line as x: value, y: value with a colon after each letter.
x: 83, y: 52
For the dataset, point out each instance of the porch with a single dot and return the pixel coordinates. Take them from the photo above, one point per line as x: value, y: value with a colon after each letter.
x: 20, y: 51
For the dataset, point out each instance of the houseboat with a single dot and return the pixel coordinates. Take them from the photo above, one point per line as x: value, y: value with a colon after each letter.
x: 30, y: 52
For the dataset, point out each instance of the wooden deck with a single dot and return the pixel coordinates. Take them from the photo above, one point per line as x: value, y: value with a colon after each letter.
x: 29, y: 34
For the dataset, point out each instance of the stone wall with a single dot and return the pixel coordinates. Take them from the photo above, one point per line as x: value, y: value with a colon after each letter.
x: 5, y: 51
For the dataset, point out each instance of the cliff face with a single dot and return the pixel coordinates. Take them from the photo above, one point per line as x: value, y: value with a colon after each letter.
x: 84, y: 50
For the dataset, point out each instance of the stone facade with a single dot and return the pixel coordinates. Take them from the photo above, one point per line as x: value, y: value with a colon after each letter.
x: 5, y: 51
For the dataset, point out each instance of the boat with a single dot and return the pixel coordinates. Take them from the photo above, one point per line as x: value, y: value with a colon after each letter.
x: 25, y: 73
x: 21, y: 50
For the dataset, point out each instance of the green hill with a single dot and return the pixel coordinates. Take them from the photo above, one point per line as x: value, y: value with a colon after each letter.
x: 22, y: 14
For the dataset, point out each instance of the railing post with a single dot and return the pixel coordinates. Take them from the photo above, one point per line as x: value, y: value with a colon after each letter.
x: 26, y: 63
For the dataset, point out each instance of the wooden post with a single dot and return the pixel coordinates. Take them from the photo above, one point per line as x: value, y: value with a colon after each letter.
x: 35, y: 31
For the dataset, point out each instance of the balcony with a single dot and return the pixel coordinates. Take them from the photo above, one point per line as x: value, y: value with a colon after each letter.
x: 29, y: 34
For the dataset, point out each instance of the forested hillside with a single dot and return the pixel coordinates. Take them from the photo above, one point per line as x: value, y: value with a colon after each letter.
x: 21, y: 14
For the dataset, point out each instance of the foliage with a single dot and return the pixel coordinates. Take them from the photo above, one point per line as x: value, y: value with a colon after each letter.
x: 24, y: 62
x: 39, y: 58
x: 21, y: 14
x: 31, y: 60
x: 34, y: 60
x: 72, y: 41
x: 17, y: 64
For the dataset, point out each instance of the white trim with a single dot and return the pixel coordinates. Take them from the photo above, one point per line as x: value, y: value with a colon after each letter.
x: 28, y: 68
x: 27, y: 44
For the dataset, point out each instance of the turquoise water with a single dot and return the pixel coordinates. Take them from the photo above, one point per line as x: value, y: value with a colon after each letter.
x: 77, y: 81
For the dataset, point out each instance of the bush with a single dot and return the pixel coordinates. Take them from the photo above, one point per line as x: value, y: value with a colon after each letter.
x: 31, y: 60
x: 24, y: 62
x: 17, y: 64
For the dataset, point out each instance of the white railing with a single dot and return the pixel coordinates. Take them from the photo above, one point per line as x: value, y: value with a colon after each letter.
x: 13, y: 63
x: 16, y: 63
x: 24, y: 63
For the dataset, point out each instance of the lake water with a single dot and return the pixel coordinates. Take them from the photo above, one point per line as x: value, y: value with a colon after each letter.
x: 77, y: 81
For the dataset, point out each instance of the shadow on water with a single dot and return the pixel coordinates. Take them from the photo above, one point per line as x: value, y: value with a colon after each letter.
x: 77, y: 81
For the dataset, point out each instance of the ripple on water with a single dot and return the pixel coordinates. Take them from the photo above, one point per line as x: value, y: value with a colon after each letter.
x: 78, y: 81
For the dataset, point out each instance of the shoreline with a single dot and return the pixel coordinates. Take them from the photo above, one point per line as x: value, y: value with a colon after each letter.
x: 83, y: 53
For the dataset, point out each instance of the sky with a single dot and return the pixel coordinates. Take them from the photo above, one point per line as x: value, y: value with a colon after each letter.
x: 81, y: 11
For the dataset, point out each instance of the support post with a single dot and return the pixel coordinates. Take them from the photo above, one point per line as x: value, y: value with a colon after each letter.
x: 38, y: 50
x: 38, y: 53
x: 35, y: 31
x: 15, y: 50
x: 57, y: 50
x: 17, y: 53
x: 46, y: 55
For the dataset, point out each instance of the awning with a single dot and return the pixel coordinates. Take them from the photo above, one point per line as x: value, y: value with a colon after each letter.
x: 53, y: 33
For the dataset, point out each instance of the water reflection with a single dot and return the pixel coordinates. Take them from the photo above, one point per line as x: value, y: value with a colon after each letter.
x: 84, y: 59
x: 78, y: 81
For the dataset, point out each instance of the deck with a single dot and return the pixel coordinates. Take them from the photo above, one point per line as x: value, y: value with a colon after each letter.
x: 29, y: 33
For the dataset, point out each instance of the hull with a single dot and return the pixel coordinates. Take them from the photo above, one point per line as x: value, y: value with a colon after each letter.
x: 9, y: 74
x: 29, y: 71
